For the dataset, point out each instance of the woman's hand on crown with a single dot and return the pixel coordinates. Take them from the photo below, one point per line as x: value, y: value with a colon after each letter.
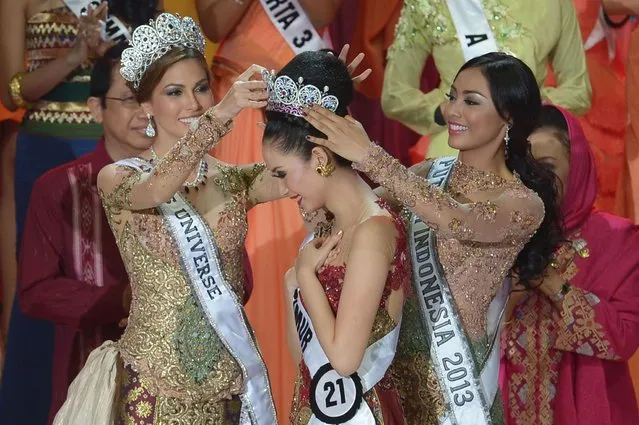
x: 345, y: 136
x: 244, y: 93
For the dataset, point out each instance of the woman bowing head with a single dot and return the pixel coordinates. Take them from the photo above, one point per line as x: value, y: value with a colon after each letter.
x: 346, y: 292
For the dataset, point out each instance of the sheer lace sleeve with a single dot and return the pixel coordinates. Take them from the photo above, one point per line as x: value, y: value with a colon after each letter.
x: 124, y: 189
x: 253, y: 181
x: 510, y: 215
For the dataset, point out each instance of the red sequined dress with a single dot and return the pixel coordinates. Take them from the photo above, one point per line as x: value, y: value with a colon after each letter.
x: 383, y: 399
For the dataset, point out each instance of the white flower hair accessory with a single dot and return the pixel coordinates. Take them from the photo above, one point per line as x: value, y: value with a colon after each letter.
x: 289, y: 97
x: 151, y: 42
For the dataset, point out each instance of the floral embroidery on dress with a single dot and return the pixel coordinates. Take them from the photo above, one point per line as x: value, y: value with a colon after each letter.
x: 532, y: 362
x: 580, y: 331
x: 429, y: 22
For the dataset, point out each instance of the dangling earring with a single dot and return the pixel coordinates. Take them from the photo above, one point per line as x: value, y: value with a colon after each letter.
x: 325, y: 170
x: 150, y: 130
x: 506, y: 140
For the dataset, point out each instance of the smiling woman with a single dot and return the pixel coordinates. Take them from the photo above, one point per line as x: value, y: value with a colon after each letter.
x: 175, y: 92
x: 472, y: 221
x: 184, y: 356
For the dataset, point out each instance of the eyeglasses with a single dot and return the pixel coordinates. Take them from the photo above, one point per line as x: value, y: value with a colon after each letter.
x: 127, y: 102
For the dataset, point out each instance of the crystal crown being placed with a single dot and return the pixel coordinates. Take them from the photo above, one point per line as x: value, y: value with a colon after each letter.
x: 151, y: 42
x: 289, y: 97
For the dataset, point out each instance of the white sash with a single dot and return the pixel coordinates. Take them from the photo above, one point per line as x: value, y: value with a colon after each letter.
x: 337, y: 399
x: 468, y: 395
x: 473, y: 31
x: 290, y: 19
x: 602, y: 31
x: 113, y: 29
x: 224, y: 311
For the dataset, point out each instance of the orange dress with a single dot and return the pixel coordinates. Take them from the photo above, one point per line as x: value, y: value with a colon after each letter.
x: 275, y: 229
x: 8, y: 115
x: 628, y: 194
x: 604, y: 124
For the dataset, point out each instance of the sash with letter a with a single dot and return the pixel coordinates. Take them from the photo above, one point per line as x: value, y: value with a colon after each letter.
x: 291, y: 21
x: 337, y: 399
x: 473, y: 30
x: 113, y: 29
x: 469, y: 395
x: 223, y: 309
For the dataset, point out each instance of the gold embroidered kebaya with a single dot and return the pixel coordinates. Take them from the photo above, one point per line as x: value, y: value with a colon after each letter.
x: 481, y: 221
x: 169, y: 347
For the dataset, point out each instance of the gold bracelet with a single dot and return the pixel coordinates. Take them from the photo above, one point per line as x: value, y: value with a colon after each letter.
x: 15, y: 89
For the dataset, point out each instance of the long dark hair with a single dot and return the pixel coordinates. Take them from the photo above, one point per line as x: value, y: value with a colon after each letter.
x: 320, y: 68
x: 517, y: 99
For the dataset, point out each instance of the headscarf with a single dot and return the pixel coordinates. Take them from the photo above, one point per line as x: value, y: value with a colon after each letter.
x: 593, y: 391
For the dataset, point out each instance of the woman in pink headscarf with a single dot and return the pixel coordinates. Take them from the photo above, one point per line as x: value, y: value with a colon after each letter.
x: 568, y: 342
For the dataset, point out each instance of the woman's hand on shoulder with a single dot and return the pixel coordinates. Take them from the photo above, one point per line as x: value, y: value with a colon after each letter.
x: 244, y: 93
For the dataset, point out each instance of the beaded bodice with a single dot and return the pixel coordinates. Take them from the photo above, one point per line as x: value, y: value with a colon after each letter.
x: 331, y: 278
x: 169, y: 340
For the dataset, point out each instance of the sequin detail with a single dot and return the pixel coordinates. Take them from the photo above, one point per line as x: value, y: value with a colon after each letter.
x: 169, y: 343
x: 332, y: 278
x: 477, y: 238
x: 429, y: 22
x: 581, y: 332
x: 422, y: 400
x: 138, y: 407
x: 189, y: 150
x: 533, y: 363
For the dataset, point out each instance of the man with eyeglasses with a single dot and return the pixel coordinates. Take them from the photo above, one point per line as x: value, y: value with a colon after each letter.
x: 70, y: 270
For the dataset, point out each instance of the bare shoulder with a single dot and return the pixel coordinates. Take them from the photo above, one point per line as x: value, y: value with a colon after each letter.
x: 378, y: 232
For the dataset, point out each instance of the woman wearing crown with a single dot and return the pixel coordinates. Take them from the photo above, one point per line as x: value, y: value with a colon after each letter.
x: 345, y: 295
x: 188, y: 354
x: 256, y: 31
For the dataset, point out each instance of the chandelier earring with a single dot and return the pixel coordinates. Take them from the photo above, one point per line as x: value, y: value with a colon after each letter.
x: 507, y: 140
x: 150, y: 130
x: 325, y: 170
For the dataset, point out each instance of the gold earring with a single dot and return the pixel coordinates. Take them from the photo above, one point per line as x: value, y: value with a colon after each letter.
x: 325, y: 170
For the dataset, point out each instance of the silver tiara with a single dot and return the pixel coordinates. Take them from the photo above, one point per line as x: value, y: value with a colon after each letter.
x: 288, y: 96
x: 151, y: 42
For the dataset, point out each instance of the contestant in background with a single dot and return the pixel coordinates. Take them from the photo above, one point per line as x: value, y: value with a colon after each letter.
x: 455, y: 31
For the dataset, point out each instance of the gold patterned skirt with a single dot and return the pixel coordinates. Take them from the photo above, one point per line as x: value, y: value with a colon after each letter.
x: 136, y: 405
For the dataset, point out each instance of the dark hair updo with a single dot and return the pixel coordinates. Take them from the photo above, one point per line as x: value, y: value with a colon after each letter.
x: 517, y: 99
x: 288, y: 132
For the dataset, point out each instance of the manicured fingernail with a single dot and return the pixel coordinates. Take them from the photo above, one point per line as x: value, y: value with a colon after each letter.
x: 308, y: 137
x: 340, y: 233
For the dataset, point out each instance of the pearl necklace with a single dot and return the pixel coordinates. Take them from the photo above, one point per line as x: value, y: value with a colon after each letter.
x: 200, y: 177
